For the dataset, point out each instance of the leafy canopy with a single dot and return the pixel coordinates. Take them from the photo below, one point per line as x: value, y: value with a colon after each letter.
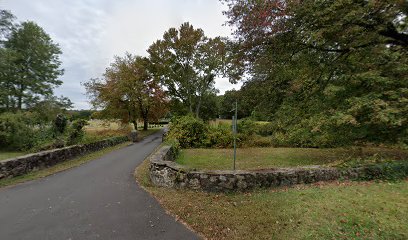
x: 128, y: 91
x: 187, y: 62
x: 331, y: 67
x: 29, y: 63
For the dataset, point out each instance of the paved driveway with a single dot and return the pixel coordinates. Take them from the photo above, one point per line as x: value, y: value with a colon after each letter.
x: 98, y: 200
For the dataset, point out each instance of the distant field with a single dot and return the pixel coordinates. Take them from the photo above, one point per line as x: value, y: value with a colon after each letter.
x: 261, y: 158
x: 6, y: 155
x: 95, y: 125
x: 98, y: 125
x: 218, y: 121
x: 99, y: 129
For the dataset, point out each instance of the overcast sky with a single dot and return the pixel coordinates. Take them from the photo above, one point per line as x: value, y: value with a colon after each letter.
x: 91, y: 32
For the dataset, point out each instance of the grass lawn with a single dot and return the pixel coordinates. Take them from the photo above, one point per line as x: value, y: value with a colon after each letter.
x: 348, y: 210
x: 219, y: 121
x: 6, y: 154
x: 261, y: 158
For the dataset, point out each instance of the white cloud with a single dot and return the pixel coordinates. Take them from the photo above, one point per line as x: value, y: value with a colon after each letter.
x: 91, y: 32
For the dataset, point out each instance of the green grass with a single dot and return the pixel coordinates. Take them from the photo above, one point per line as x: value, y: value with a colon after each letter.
x: 219, y: 121
x: 6, y: 154
x: 347, y: 210
x: 261, y: 158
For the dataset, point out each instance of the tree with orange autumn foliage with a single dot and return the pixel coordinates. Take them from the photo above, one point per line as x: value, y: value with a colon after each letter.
x: 128, y: 91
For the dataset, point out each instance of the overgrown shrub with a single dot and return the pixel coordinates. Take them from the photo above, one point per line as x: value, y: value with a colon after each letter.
x: 390, y: 171
x: 256, y: 141
x: 317, y: 131
x: 76, y: 131
x: 23, y: 131
x: 60, y: 124
x: 220, y: 136
x: 175, y: 145
x: 247, y: 126
x: 190, y: 132
x: 267, y: 129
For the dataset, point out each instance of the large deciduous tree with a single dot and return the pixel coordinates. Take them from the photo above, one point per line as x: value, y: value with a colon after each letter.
x: 128, y: 91
x: 187, y: 63
x: 333, y: 67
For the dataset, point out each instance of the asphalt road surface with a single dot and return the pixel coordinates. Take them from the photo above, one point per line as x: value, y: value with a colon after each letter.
x: 97, y: 200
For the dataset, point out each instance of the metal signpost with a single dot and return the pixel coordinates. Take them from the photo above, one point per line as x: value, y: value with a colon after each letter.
x: 234, y: 131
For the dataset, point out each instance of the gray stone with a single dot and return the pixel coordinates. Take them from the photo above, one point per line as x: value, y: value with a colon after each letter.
x: 242, y: 185
x: 133, y: 136
x: 165, y: 172
x: 194, y: 183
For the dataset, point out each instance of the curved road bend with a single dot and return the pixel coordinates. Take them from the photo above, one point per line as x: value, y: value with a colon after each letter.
x: 98, y: 200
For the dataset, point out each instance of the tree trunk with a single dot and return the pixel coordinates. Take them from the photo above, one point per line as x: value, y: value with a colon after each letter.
x: 197, y: 112
x: 7, y: 104
x: 135, y: 124
x: 20, y: 97
x: 145, y: 123
x: 20, y: 102
x: 190, y: 105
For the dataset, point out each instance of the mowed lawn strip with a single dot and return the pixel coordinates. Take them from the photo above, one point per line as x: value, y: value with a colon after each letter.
x: 347, y: 210
x: 6, y: 155
x: 262, y: 158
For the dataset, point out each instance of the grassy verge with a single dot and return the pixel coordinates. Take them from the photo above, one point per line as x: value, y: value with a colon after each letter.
x: 6, y: 154
x: 348, y: 210
x: 260, y: 158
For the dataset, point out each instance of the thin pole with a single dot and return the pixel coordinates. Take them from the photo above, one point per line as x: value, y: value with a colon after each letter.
x: 235, y: 133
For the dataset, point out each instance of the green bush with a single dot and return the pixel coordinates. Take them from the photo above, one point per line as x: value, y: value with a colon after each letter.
x: 76, y: 131
x: 188, y: 131
x: 247, y: 126
x: 316, y: 131
x: 23, y: 131
x: 60, y: 124
x: 220, y: 137
x: 389, y: 171
x: 175, y: 147
x: 267, y: 129
x: 256, y: 141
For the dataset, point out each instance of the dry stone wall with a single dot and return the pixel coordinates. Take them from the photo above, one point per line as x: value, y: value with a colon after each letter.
x: 21, y: 165
x: 166, y: 173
